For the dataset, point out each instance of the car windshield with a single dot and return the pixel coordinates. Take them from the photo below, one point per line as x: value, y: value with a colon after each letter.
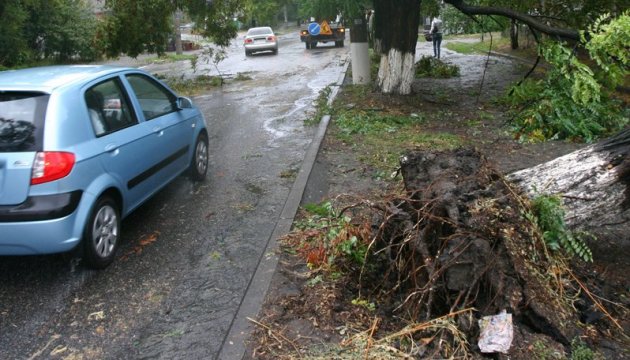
x: 259, y: 31
x: 21, y: 121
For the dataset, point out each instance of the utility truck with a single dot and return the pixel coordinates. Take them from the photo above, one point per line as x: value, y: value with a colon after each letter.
x: 322, y: 32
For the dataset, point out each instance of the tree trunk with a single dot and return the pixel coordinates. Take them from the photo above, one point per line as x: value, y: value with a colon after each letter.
x: 178, y: 32
x: 514, y: 34
x: 397, y: 48
x: 594, y: 183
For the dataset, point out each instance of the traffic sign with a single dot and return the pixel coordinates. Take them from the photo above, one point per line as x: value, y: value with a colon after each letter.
x: 326, y: 30
x: 314, y: 28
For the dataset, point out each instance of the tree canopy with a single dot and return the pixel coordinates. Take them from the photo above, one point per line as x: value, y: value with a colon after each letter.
x: 58, y: 30
x: 137, y: 26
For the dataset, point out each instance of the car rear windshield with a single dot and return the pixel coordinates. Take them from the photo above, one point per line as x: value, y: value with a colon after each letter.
x: 22, y: 121
x: 261, y: 31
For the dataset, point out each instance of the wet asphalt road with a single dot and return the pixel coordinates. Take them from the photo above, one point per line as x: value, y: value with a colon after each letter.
x: 189, y: 253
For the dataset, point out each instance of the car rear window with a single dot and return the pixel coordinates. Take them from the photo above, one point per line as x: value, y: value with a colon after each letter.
x: 22, y: 121
x: 261, y: 31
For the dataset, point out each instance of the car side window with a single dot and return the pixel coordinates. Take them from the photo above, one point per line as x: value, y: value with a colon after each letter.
x: 154, y: 99
x: 109, y: 107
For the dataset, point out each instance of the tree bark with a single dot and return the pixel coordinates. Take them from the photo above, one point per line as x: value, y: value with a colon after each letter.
x: 397, y: 48
x: 514, y: 34
x: 178, y: 32
x: 594, y: 183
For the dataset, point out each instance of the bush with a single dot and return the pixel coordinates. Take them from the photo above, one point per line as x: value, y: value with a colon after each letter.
x: 429, y: 66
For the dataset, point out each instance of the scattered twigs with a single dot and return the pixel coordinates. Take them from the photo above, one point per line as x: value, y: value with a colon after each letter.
x: 423, y: 326
x: 370, y: 339
x: 594, y: 300
x: 277, y: 336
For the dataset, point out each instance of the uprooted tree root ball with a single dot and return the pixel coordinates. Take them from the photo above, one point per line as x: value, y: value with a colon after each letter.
x: 459, y: 240
x: 458, y: 244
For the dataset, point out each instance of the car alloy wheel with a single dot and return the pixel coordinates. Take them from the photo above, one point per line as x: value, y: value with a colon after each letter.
x: 199, y: 166
x: 101, y: 233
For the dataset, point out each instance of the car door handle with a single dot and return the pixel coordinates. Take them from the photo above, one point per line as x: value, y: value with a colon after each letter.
x: 111, y: 147
x: 158, y: 130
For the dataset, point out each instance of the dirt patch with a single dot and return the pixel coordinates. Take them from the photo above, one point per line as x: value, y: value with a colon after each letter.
x: 350, y: 314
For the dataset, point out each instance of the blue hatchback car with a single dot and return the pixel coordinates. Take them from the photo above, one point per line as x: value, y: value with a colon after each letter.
x: 81, y: 147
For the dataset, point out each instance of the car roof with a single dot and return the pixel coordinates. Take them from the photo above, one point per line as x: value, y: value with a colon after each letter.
x: 48, y: 78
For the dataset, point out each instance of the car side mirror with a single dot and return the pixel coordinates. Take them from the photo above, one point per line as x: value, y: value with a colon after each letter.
x: 184, y: 103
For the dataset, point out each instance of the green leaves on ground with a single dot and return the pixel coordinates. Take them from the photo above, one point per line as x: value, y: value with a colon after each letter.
x: 429, y: 66
x: 324, y: 235
x: 382, y: 136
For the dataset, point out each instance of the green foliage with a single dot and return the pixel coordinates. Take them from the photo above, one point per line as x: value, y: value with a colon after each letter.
x: 608, y: 46
x: 136, y: 27
x: 580, y: 351
x: 321, y: 107
x: 429, y: 66
x: 264, y: 12
x: 146, y: 26
x: 329, y: 9
x: 331, y: 236
x: 382, y: 137
x: 373, y: 124
x: 194, y: 86
x: 548, y: 215
x: 364, y: 303
x: 36, y: 30
x: 70, y: 32
x: 570, y: 102
x: 13, y: 45
x: 481, y: 47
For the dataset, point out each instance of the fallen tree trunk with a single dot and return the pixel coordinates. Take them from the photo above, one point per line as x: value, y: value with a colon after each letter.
x: 594, y: 184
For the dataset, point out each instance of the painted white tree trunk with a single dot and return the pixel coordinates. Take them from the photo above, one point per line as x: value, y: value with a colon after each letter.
x: 396, y: 72
x: 360, y: 63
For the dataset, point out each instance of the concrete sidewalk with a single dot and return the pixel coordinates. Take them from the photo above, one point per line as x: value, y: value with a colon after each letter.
x: 234, y: 345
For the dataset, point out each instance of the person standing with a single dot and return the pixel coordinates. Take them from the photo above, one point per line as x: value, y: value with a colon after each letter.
x: 436, y: 35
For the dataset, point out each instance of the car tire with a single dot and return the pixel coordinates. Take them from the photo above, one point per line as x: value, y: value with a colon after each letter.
x: 247, y: 53
x: 275, y: 51
x: 199, y: 162
x: 308, y: 45
x: 101, y: 235
x: 313, y: 44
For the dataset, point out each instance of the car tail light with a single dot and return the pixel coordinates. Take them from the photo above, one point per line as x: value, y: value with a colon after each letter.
x: 271, y: 38
x: 248, y: 41
x: 50, y: 166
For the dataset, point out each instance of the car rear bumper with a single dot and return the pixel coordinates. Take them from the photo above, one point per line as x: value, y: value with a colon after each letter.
x: 41, y: 225
x: 261, y: 47
x: 44, y: 207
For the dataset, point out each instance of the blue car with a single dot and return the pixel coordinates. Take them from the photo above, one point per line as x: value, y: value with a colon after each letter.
x: 81, y: 147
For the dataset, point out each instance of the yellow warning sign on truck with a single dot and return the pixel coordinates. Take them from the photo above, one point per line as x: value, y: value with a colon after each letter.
x: 326, y: 30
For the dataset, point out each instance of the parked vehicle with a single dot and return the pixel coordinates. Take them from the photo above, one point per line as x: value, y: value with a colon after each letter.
x: 260, y: 39
x: 314, y: 32
x: 81, y: 147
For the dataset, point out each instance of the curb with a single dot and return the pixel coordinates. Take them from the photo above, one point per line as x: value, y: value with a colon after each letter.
x: 234, y: 346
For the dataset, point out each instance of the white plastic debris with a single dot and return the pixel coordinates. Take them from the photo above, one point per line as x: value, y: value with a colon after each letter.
x: 496, y: 333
